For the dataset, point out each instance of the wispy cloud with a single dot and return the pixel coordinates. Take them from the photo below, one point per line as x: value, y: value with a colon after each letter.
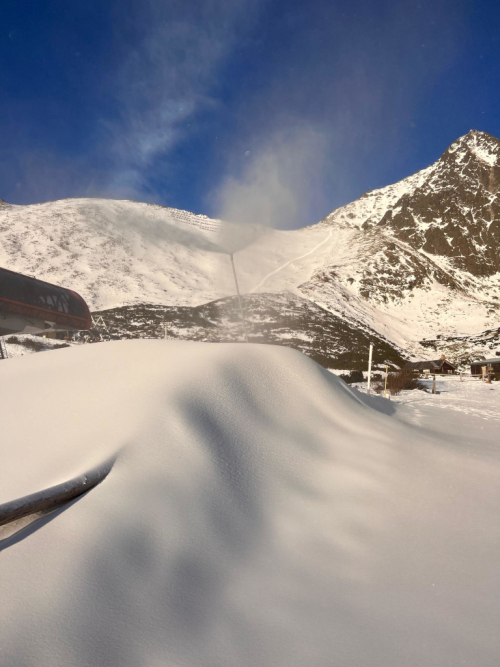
x: 172, y: 56
x: 318, y: 96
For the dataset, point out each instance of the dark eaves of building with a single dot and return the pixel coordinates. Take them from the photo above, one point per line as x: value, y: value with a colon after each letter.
x: 434, y: 366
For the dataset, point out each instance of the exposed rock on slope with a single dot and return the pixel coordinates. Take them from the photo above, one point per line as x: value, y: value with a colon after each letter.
x: 455, y: 212
x: 449, y: 211
x: 466, y: 349
x: 278, y: 319
x: 427, y: 249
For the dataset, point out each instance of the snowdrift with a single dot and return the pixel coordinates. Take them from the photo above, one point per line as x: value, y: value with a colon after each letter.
x: 259, y: 512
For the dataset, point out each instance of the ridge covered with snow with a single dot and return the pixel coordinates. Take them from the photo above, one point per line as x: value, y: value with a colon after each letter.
x: 413, y: 261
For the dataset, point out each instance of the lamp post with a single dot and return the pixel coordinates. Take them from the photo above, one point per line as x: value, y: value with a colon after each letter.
x: 370, y: 367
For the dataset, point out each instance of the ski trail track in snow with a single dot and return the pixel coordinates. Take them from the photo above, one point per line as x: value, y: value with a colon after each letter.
x: 290, y: 261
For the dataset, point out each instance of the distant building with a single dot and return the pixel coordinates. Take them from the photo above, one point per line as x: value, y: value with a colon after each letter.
x: 492, y: 365
x: 435, y: 367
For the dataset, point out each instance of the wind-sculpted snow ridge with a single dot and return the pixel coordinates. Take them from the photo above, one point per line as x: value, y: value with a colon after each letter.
x: 261, y: 512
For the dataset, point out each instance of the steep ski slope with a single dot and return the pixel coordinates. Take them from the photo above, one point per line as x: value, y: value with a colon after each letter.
x: 112, y: 251
x: 121, y: 252
x: 259, y: 513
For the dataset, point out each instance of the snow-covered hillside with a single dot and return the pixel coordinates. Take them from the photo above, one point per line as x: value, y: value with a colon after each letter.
x: 122, y: 252
x: 113, y: 252
x: 427, y: 250
x: 415, y: 261
x: 260, y: 512
x: 271, y: 318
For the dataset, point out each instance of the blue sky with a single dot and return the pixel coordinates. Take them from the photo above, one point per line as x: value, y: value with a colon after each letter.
x: 266, y: 109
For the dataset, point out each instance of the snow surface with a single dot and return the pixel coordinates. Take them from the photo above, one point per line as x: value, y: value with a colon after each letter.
x: 485, y: 155
x: 484, y: 150
x: 20, y: 348
x: 123, y: 252
x: 477, y: 401
x: 260, y: 512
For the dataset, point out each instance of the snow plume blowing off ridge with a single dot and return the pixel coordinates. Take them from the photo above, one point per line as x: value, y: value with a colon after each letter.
x: 272, y: 190
x: 276, y: 183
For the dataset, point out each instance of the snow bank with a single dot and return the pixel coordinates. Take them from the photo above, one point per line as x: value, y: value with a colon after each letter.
x: 260, y: 512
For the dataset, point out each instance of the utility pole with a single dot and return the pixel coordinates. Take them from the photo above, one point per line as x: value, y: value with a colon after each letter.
x: 243, y: 321
x: 370, y: 367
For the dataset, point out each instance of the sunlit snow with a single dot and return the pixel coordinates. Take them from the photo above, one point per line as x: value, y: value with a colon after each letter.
x: 260, y: 512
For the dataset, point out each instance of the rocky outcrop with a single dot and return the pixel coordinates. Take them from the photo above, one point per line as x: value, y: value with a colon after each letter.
x: 455, y: 212
x: 275, y: 319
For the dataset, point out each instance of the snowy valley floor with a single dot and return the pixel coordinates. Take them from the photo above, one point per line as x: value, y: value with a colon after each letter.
x: 260, y: 513
x: 470, y: 406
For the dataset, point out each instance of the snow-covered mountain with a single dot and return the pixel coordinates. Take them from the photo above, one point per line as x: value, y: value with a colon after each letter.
x: 415, y: 263
x: 113, y: 252
x: 426, y: 250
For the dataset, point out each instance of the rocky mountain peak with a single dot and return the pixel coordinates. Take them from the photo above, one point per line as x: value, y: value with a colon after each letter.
x: 451, y: 209
x: 455, y: 211
x: 424, y: 243
x: 474, y: 156
x: 481, y: 146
